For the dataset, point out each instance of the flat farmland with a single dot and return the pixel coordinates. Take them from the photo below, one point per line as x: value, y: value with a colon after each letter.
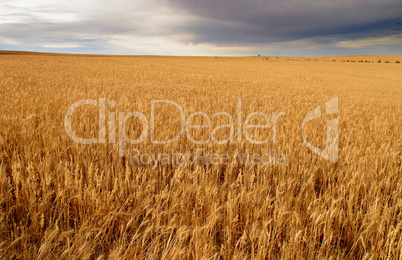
x: 132, y: 157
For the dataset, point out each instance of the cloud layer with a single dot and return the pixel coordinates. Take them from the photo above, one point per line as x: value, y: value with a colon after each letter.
x: 208, y: 27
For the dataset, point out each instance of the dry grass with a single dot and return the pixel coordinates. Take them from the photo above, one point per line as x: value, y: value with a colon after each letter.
x: 64, y: 200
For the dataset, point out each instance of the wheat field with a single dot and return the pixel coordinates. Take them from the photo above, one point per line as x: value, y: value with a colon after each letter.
x: 65, y: 200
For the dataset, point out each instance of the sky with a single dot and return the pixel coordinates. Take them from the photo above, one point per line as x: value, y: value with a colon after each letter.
x: 204, y: 27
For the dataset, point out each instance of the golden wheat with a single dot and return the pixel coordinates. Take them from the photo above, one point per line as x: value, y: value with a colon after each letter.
x: 65, y: 200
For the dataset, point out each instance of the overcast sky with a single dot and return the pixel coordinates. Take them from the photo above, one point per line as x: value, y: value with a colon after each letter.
x: 204, y: 27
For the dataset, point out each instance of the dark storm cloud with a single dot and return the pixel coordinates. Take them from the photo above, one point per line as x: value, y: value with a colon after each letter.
x: 231, y: 22
x: 207, y: 27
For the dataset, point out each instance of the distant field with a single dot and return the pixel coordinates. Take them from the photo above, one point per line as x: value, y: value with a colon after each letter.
x: 350, y: 58
x: 60, y: 199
